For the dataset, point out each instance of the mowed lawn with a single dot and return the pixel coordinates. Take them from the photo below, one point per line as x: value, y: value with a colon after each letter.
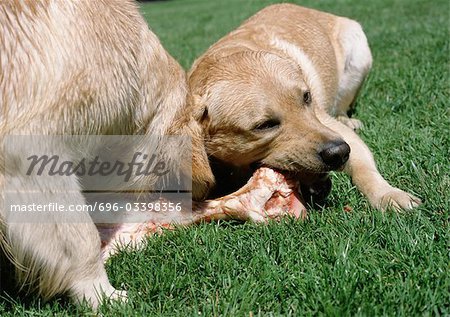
x: 339, y: 263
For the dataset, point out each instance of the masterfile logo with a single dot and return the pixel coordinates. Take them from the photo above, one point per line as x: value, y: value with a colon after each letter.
x: 63, y: 178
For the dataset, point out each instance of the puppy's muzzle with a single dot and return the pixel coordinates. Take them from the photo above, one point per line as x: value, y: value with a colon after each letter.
x: 334, y: 154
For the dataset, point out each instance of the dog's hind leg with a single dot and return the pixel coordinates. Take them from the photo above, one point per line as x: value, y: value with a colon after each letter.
x: 354, y: 60
x: 54, y: 252
x: 362, y: 168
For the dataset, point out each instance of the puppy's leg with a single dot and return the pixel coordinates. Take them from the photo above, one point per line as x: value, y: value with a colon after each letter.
x: 362, y: 168
x: 355, y: 60
x: 59, y: 252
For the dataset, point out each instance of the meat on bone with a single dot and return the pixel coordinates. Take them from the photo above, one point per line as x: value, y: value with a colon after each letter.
x: 268, y: 194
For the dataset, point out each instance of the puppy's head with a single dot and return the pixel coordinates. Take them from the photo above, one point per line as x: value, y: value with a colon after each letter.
x: 256, y: 108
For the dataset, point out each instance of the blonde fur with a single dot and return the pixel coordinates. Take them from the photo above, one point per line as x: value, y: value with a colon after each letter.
x: 79, y: 68
x: 261, y: 70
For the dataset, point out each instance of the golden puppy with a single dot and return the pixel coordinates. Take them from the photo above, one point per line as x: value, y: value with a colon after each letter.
x: 276, y: 92
x: 76, y: 68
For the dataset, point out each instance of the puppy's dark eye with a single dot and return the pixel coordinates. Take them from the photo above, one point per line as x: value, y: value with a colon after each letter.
x: 307, y: 98
x: 267, y: 125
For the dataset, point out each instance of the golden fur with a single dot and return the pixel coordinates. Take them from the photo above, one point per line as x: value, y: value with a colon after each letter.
x: 276, y: 92
x: 83, y: 67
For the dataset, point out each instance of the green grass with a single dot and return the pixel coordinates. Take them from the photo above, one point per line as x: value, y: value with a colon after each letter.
x: 337, y: 263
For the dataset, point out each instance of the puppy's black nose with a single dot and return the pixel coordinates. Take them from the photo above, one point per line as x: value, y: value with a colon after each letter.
x: 335, y: 154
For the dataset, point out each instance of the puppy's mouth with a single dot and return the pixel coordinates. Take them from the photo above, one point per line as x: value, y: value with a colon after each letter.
x: 314, y: 187
x: 266, y: 194
x: 310, y: 188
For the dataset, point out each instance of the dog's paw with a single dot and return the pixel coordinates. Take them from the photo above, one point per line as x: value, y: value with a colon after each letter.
x: 353, y: 124
x: 102, y: 297
x: 96, y: 292
x: 398, y: 199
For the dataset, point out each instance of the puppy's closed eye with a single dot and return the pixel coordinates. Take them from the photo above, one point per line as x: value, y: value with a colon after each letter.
x: 268, y: 125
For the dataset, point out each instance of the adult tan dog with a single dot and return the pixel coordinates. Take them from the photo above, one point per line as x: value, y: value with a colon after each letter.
x: 83, y: 67
x: 276, y: 92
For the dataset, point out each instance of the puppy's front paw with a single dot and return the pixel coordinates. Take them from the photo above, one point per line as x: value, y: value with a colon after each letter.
x: 354, y: 124
x: 398, y: 200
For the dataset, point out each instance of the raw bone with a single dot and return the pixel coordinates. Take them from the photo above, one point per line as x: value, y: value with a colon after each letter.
x: 267, y: 195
